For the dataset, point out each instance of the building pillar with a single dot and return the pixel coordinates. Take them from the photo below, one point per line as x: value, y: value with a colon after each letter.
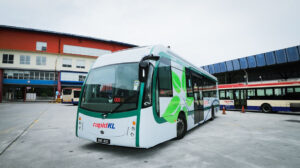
x: 58, y: 85
x: 25, y: 91
x: 1, y: 84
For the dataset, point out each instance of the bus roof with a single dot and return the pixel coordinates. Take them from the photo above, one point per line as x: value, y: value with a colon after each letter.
x: 137, y: 53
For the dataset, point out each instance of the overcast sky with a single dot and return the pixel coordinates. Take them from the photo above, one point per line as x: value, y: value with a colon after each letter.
x: 203, y: 32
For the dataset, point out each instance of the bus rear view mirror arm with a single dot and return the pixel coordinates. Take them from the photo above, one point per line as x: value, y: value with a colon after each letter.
x: 150, y: 57
x: 144, y: 67
x: 143, y: 71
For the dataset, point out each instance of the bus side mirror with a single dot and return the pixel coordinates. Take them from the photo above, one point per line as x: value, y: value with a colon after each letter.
x: 143, y: 71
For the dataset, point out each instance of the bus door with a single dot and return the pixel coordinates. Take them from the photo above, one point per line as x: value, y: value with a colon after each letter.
x: 198, y: 99
x: 240, y: 98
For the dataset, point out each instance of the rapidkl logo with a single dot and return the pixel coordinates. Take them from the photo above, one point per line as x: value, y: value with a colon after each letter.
x: 104, y: 125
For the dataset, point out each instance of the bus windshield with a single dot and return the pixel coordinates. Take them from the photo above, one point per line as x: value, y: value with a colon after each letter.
x: 76, y: 94
x: 112, y: 88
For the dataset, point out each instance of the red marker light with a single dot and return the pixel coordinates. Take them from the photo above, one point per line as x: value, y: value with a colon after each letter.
x: 117, y: 100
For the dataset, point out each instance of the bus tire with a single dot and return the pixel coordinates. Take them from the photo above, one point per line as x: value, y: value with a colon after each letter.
x: 266, y: 108
x: 212, y: 114
x: 181, y: 126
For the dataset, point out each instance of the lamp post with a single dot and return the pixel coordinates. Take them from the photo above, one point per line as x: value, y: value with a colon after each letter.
x: 246, y: 76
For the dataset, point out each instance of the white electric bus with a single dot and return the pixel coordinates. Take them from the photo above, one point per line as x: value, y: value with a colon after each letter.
x: 265, y: 96
x: 144, y: 96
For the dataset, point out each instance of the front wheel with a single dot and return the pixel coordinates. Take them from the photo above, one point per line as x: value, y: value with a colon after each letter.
x: 181, y: 126
x: 266, y: 108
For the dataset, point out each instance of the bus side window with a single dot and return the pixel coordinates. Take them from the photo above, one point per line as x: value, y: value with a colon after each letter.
x: 289, y: 90
x: 269, y: 92
x: 189, y: 87
x: 157, y: 99
x: 277, y: 92
x: 297, y: 93
x: 222, y: 94
x: 251, y: 93
x: 260, y: 92
x: 147, y: 101
x: 229, y: 94
x: 165, y: 78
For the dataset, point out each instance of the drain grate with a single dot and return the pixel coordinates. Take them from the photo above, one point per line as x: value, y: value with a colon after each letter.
x: 296, y: 121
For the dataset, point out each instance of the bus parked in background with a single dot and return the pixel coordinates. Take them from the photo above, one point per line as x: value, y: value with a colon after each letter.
x: 265, y: 96
x: 76, y: 95
x: 70, y: 95
x: 144, y: 96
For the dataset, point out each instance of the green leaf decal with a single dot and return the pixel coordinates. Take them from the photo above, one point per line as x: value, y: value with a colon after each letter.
x: 173, y: 108
x: 189, y: 101
x: 183, y: 83
x: 176, y: 82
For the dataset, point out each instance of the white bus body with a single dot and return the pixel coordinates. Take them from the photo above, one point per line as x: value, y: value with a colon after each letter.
x: 116, y: 108
x: 266, y: 96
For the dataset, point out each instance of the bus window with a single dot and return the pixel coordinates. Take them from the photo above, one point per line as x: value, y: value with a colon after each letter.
x: 222, y: 94
x: 189, y: 87
x: 76, y: 94
x: 229, y: 94
x: 260, y: 92
x: 67, y: 91
x: 277, y: 92
x: 297, y: 93
x: 251, y: 93
x: 237, y: 94
x: 289, y: 90
x: 148, y: 89
x: 269, y: 92
x: 214, y: 88
x: 165, y: 78
x: 157, y: 99
x: 283, y: 91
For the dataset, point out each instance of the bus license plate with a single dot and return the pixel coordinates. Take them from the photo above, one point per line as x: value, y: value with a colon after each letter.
x: 103, y: 141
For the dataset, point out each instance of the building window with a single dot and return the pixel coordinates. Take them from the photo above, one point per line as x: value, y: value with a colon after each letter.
x: 80, y: 64
x: 42, y: 75
x: 52, y: 76
x: 33, y: 75
x: 40, y: 60
x: 8, y: 58
x: 66, y: 62
x: 24, y: 59
x: 82, y: 77
x: 26, y: 75
x: 41, y: 46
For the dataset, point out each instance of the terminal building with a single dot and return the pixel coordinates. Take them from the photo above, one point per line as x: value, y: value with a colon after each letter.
x: 34, y: 64
x: 268, y: 81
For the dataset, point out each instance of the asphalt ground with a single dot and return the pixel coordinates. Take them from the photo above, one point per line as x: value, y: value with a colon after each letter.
x: 43, y: 135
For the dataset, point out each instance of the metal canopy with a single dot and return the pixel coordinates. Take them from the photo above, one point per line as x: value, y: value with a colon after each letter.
x: 291, y: 54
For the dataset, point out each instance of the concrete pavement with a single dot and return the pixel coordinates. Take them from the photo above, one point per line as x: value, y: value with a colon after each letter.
x: 43, y: 135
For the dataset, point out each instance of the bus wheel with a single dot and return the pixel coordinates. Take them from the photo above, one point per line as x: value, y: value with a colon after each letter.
x: 266, y: 108
x: 181, y: 126
x: 212, y: 114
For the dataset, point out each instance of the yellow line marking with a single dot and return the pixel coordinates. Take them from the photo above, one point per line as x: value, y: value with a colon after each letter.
x: 31, y: 125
